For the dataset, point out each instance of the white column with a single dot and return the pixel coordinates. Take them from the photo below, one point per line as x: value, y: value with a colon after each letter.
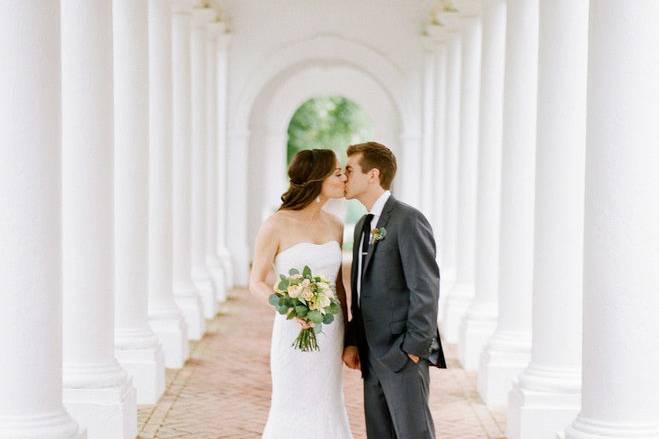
x: 480, y: 320
x: 200, y: 273
x: 236, y: 197
x: 136, y: 346
x: 439, y: 143
x: 30, y: 233
x: 213, y: 32
x: 165, y: 317
x: 546, y: 396
x: 97, y: 391
x: 222, y: 168
x: 448, y: 235
x: 186, y: 293
x: 427, y: 153
x: 620, y: 393
x: 509, y: 350
x: 274, y: 167
x: 408, y: 185
x: 462, y: 291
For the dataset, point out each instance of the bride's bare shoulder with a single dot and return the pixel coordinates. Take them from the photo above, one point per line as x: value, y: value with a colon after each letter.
x: 278, y: 222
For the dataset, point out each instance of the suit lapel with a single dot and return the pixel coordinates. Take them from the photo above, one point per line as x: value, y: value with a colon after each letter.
x: 382, y: 222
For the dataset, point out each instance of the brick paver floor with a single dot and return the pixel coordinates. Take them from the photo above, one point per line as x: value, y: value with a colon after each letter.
x: 224, y: 389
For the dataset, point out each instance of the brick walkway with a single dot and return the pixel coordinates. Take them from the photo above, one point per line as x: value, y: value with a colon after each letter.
x: 223, y: 391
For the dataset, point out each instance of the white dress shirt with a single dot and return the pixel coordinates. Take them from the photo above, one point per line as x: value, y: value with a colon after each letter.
x: 376, y: 211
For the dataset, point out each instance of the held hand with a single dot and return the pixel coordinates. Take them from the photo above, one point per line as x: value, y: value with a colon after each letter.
x: 351, y: 357
x: 414, y: 358
x: 304, y: 323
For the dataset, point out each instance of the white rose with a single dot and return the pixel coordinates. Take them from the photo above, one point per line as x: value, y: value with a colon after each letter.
x: 294, y: 291
x: 307, y: 293
x: 323, y: 301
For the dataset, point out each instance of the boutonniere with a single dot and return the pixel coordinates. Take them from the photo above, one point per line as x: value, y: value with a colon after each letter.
x: 378, y: 234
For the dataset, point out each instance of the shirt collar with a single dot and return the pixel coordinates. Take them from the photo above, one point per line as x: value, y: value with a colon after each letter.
x: 376, y: 210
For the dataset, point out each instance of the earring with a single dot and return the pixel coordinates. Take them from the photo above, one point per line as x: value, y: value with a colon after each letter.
x: 318, y: 199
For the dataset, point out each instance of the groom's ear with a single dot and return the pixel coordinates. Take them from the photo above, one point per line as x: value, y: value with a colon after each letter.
x: 375, y: 173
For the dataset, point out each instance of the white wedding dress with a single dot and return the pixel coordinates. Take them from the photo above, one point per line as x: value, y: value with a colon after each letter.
x: 307, y: 387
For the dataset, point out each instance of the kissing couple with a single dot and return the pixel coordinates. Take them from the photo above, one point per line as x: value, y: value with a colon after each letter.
x: 392, y: 336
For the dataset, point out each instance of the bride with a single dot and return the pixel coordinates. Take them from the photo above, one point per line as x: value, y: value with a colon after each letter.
x: 307, y: 387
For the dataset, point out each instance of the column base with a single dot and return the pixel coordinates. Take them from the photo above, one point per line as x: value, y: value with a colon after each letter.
x: 227, y: 266
x: 506, y: 355
x: 142, y: 358
x: 54, y: 425
x: 542, y: 402
x: 586, y: 428
x: 477, y: 327
x: 217, y: 273
x: 457, y: 305
x: 105, y: 412
x: 172, y: 332
x: 191, y: 308
x: 204, y: 283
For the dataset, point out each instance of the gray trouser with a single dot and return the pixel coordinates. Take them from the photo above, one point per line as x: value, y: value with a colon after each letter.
x: 396, y: 404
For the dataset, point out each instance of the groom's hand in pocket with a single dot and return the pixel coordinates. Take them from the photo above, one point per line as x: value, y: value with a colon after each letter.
x: 351, y: 357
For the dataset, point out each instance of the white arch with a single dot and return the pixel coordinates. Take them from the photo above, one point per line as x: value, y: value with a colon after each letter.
x: 327, y: 50
x: 271, y: 116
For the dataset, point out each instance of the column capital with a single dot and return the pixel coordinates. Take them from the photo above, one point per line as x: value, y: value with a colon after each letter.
x: 203, y: 16
x: 224, y: 40
x: 214, y: 29
x: 452, y: 15
x: 437, y: 34
x: 184, y: 6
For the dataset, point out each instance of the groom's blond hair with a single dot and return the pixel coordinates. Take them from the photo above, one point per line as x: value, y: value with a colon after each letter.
x: 376, y: 156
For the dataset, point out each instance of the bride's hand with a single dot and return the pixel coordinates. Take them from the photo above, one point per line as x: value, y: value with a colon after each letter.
x: 304, y: 323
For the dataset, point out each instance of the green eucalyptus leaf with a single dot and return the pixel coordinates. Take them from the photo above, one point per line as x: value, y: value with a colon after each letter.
x: 306, y: 272
x: 315, y: 316
x: 273, y: 299
x: 301, y: 310
x: 327, y: 319
x: 283, y: 284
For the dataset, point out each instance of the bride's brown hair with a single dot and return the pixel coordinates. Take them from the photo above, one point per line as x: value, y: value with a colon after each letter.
x: 307, y: 171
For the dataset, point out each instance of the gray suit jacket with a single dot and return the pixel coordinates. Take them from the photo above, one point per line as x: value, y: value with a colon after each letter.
x: 399, y: 291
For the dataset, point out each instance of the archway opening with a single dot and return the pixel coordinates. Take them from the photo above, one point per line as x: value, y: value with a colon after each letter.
x: 331, y: 122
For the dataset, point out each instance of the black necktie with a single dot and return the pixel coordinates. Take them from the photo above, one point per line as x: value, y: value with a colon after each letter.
x: 365, y: 238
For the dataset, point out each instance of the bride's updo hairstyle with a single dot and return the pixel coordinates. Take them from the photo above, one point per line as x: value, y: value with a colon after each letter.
x: 307, y: 171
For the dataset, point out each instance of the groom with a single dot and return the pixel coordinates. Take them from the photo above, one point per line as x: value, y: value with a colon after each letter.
x: 393, y: 333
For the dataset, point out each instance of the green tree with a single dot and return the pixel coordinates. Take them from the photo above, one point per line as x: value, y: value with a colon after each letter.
x: 331, y: 122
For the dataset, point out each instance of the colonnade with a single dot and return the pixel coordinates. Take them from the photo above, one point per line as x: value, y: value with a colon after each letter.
x: 550, y: 274
x: 114, y: 117
x: 540, y: 157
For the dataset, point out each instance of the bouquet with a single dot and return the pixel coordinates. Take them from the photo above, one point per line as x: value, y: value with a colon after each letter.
x: 308, y: 298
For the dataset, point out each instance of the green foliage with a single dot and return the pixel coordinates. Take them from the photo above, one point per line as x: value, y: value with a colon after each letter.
x: 301, y: 310
x: 315, y: 316
x: 283, y: 284
x: 332, y: 122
